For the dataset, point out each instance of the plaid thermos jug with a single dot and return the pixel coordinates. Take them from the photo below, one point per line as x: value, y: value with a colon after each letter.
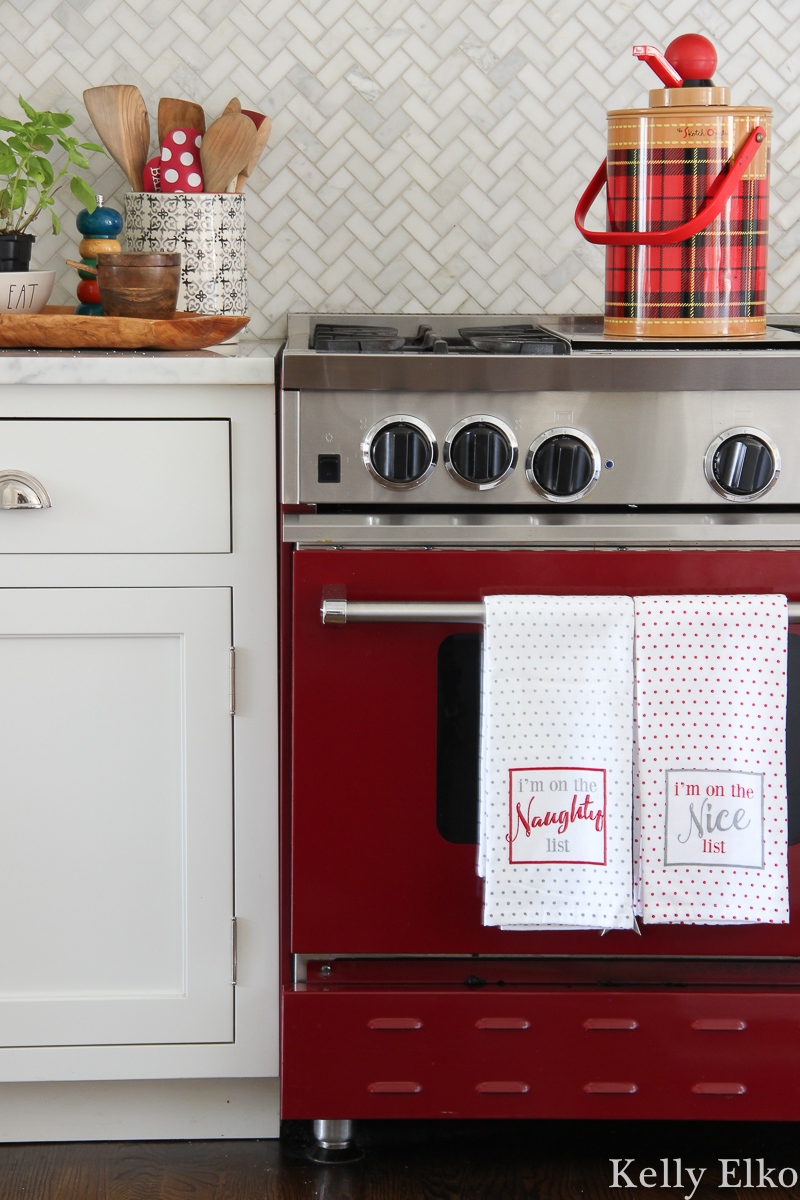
x: 688, y: 205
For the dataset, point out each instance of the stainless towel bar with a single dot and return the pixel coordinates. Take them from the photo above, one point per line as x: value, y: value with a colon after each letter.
x: 343, y: 612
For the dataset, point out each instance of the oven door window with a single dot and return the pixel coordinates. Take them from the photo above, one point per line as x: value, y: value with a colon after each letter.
x: 458, y: 727
x: 458, y: 731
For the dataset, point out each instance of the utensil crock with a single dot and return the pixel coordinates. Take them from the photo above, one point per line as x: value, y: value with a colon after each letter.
x: 209, y: 232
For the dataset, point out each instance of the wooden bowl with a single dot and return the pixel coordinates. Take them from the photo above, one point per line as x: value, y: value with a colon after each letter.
x: 139, y: 285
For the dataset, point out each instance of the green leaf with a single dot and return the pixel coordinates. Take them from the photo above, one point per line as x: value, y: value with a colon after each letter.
x: 8, y: 161
x: 77, y: 158
x: 47, y: 171
x: 20, y: 196
x: 9, y: 126
x: 61, y: 119
x: 93, y: 146
x: 56, y: 223
x: 81, y: 191
x: 42, y: 142
x: 30, y: 113
x: 21, y: 147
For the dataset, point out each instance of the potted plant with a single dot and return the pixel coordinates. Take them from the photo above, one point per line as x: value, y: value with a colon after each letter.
x: 28, y: 181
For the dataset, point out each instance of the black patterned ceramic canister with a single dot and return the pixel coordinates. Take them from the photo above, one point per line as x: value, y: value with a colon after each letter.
x: 209, y: 230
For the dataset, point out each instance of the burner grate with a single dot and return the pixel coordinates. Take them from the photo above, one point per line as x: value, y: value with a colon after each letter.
x: 355, y: 339
x: 379, y: 339
x: 514, y: 339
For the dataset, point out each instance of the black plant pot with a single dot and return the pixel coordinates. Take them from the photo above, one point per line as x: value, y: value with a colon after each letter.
x: 15, y: 251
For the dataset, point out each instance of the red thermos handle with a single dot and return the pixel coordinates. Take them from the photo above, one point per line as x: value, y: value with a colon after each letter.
x: 718, y: 196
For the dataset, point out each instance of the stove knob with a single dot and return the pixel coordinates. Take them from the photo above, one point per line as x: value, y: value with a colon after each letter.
x: 742, y: 464
x: 563, y: 465
x: 480, y: 452
x: 400, y: 452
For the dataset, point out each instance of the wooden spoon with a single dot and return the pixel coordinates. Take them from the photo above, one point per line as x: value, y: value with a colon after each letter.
x: 178, y: 114
x: 226, y: 149
x: 263, y: 128
x: 119, y: 115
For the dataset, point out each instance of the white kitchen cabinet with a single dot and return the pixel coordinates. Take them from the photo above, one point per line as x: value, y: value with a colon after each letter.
x: 138, y: 816
x: 116, y: 816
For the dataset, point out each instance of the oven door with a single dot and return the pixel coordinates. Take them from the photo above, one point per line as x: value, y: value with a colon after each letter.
x: 385, y: 746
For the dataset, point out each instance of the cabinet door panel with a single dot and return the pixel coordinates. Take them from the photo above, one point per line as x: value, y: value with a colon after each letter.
x: 120, y: 487
x: 115, y: 816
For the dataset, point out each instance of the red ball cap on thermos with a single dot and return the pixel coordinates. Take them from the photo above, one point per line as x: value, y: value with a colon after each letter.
x: 694, y: 58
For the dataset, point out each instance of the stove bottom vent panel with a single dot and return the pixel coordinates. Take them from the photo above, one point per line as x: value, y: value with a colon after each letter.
x: 505, y: 1052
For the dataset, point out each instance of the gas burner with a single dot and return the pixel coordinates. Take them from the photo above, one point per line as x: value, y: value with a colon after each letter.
x: 375, y: 339
x: 355, y: 339
x: 380, y: 339
x: 514, y: 339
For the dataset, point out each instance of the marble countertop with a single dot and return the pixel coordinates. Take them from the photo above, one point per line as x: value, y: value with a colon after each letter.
x: 246, y: 362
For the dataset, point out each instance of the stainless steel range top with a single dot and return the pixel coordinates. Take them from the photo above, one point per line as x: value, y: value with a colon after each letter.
x: 473, y: 426
x: 509, y: 353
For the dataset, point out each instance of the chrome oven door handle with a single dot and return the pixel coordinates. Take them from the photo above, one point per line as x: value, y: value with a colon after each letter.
x: 344, y: 612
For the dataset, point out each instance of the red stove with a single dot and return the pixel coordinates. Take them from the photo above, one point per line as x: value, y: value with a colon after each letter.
x: 429, y: 462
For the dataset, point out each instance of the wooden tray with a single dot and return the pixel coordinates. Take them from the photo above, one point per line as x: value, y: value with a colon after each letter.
x: 57, y: 328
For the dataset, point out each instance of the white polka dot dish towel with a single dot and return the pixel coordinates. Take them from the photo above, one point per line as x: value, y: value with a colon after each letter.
x: 557, y: 733
x: 710, y: 820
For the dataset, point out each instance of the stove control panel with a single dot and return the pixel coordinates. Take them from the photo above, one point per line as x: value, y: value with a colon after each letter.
x: 541, y: 450
x: 742, y: 464
x: 480, y: 452
x: 563, y: 465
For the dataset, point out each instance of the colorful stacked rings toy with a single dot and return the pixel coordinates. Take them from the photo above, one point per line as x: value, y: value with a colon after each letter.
x: 99, y: 229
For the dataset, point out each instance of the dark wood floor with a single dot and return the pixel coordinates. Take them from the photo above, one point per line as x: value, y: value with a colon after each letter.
x: 448, y: 1160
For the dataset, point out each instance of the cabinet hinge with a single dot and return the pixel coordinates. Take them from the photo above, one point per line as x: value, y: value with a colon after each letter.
x: 233, y: 682
x: 234, y: 949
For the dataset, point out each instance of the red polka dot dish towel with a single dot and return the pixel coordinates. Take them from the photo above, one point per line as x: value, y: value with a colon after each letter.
x: 709, y: 772
x: 556, y: 751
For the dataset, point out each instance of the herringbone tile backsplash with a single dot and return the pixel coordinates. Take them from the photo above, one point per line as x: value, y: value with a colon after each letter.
x: 421, y: 159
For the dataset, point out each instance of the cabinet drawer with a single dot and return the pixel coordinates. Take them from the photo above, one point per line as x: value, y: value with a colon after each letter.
x: 120, y: 486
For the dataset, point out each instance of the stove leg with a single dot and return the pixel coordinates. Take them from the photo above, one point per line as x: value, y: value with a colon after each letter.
x: 333, y: 1135
x: 333, y: 1143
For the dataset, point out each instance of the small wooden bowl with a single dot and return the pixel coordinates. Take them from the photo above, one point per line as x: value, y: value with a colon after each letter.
x: 139, y: 285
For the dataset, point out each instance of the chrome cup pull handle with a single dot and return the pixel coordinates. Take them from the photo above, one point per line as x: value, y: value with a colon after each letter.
x: 20, y: 490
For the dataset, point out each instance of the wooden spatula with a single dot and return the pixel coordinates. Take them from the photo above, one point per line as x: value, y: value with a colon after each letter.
x: 234, y: 105
x: 226, y: 149
x: 263, y: 128
x: 178, y: 114
x: 119, y: 115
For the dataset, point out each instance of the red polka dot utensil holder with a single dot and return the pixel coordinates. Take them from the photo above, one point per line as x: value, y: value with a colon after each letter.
x: 555, y: 835
x: 710, y: 819
x: 180, y: 162
x: 177, y: 168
